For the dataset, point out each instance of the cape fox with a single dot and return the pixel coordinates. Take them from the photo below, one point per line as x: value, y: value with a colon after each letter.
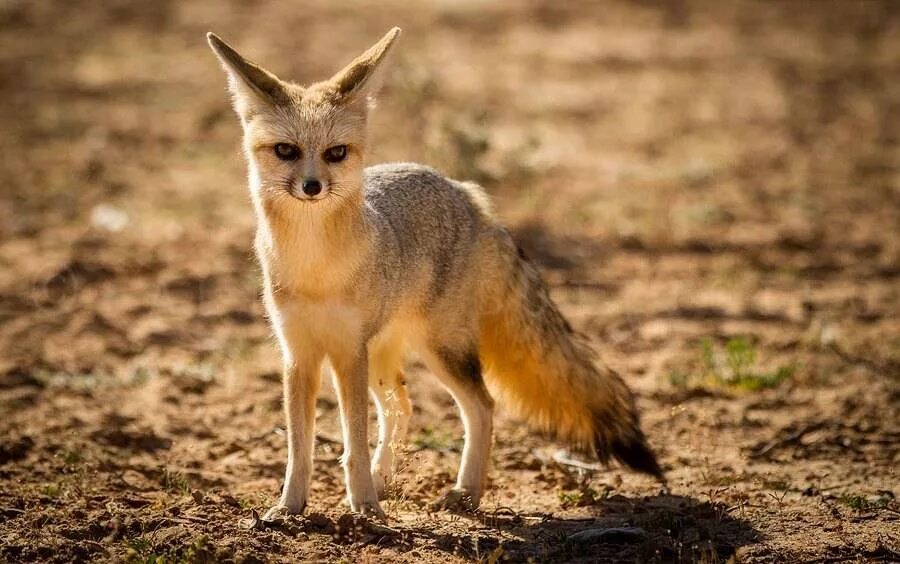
x: 362, y: 265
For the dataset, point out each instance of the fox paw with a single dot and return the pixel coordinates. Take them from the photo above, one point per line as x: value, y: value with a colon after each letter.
x: 457, y: 500
x: 281, y: 511
x: 370, y: 509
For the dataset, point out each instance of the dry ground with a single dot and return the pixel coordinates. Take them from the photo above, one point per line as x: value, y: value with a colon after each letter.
x: 713, y: 190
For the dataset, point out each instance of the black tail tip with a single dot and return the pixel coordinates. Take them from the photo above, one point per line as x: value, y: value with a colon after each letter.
x: 637, y: 455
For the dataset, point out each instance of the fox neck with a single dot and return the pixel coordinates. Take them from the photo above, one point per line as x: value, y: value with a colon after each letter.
x: 311, y: 250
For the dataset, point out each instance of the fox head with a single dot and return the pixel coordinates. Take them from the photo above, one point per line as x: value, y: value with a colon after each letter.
x: 304, y: 145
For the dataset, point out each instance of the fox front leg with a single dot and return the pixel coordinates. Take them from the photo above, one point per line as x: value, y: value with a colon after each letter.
x: 301, y: 385
x: 351, y: 384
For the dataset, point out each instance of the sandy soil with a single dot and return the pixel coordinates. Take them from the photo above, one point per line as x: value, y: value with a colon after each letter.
x: 713, y: 191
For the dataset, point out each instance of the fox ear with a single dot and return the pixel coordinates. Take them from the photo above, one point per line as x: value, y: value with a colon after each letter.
x: 250, y: 84
x: 361, y: 79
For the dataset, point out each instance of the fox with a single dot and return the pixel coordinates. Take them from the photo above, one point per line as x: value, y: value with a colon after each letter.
x: 362, y: 266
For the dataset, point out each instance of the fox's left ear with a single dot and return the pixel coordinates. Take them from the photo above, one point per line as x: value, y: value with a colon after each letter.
x: 362, y: 78
x: 250, y: 84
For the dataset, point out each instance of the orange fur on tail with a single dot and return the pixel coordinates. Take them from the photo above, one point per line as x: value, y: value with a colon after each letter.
x: 538, y: 366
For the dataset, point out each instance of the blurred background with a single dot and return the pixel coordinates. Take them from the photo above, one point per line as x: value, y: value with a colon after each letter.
x: 711, y: 188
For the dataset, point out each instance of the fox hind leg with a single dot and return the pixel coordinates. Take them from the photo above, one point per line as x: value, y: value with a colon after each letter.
x: 387, y: 384
x: 459, y: 370
x: 394, y: 408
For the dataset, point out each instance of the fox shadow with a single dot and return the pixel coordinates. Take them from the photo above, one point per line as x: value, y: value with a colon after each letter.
x: 662, y: 528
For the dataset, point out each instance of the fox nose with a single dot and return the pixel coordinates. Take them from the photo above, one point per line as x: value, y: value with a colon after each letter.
x: 311, y: 186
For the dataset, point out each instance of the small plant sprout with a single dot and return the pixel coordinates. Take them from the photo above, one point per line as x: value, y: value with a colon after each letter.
x: 732, y: 366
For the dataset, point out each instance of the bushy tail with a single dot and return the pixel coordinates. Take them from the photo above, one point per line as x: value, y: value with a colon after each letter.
x: 538, y: 366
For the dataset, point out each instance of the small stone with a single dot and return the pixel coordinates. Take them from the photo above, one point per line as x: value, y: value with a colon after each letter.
x: 612, y: 535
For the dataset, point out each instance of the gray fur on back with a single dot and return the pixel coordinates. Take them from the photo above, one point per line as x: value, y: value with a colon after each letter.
x: 421, y: 219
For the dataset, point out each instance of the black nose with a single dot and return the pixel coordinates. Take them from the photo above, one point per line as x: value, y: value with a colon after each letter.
x: 311, y: 187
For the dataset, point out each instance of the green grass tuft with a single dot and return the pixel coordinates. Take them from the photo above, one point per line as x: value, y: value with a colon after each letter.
x: 435, y: 439
x: 174, y: 482
x: 142, y: 551
x: 732, y: 366
x: 861, y: 503
x: 582, y: 497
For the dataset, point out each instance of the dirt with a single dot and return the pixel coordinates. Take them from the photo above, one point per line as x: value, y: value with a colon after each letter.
x: 712, y: 190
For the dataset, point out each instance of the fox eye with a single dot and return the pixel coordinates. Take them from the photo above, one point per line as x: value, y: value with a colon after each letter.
x: 335, y: 154
x: 286, y: 151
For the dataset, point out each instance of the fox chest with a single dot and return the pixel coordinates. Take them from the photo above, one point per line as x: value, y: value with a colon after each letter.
x: 332, y: 327
x: 311, y: 269
x: 314, y: 270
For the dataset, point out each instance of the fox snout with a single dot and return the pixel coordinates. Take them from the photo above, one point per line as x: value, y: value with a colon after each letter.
x: 308, y: 189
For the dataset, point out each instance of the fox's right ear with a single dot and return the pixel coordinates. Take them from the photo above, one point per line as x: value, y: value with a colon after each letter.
x: 250, y: 84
